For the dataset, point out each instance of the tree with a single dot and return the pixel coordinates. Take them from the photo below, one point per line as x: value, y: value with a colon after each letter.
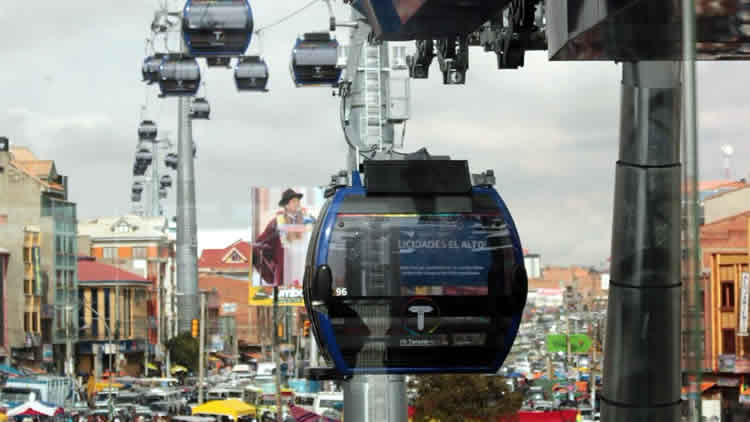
x: 458, y: 398
x: 184, y: 350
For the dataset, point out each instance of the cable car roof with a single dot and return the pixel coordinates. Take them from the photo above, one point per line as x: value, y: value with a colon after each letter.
x: 210, y: 14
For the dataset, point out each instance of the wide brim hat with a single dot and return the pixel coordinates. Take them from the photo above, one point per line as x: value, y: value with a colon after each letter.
x: 288, y: 195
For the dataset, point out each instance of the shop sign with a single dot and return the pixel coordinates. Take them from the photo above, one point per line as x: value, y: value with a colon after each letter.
x: 742, y: 365
x: 728, y: 382
x: 727, y: 363
x: 744, y: 298
x: 47, y: 353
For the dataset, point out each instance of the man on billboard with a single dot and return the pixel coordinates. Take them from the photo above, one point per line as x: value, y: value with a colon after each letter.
x: 285, y: 231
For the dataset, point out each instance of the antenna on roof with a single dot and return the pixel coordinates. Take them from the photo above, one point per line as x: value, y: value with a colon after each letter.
x: 727, y: 151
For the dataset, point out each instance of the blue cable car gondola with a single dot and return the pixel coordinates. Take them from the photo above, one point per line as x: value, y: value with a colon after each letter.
x: 171, y: 161
x: 212, y: 28
x: 139, y: 169
x: 219, y: 61
x: 315, y: 60
x: 416, y: 272
x: 165, y: 181
x: 179, y: 75
x: 150, y: 68
x: 251, y: 74
x: 147, y: 130
x: 137, y: 187
x: 135, y: 197
x: 200, y: 109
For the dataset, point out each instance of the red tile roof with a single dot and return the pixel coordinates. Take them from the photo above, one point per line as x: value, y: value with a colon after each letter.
x: 214, y: 258
x: 91, y: 271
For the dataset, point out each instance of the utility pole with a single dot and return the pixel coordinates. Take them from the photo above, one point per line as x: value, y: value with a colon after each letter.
x: 369, y: 121
x: 187, y: 243
x: 275, y: 350
x: 201, y: 346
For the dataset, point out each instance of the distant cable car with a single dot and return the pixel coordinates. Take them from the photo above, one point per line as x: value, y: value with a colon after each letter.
x: 195, y: 149
x: 144, y: 156
x: 137, y: 187
x: 418, y: 271
x: 139, y: 169
x: 163, y: 193
x: 200, y: 109
x: 314, y: 60
x: 171, y: 161
x: 212, y: 28
x: 150, y: 68
x: 179, y: 75
x: 135, y: 197
x: 218, y: 61
x: 165, y: 181
x: 251, y: 74
x: 147, y: 130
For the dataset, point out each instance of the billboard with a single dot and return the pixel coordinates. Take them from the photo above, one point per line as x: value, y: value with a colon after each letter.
x: 282, y: 220
x: 288, y: 296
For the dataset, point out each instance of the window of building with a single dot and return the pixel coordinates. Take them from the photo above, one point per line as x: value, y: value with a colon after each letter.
x: 26, y: 325
x: 728, y: 341
x: 139, y: 253
x: 3, y: 217
x: 109, y: 253
x: 35, y: 322
x: 727, y: 296
x: 123, y: 227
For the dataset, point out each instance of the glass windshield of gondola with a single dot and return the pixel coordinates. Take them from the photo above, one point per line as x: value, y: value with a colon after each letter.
x: 217, y: 28
x: 315, y: 59
x: 150, y: 69
x: 416, y: 286
x: 251, y: 74
x: 147, y: 130
x: 179, y: 76
x: 200, y: 109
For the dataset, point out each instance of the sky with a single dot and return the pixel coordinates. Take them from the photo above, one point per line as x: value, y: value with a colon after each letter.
x: 72, y: 92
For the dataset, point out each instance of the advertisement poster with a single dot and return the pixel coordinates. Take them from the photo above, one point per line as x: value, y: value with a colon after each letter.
x: 282, y: 220
x: 288, y: 296
x: 744, y: 298
x: 47, y: 353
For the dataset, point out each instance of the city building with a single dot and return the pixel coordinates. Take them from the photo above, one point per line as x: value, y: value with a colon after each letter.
x: 725, y: 244
x: 586, y: 282
x: 144, y: 246
x: 232, y: 261
x: 38, y: 230
x: 111, y: 299
x: 232, y: 299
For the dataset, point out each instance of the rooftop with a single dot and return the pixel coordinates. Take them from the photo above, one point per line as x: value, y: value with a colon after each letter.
x: 90, y: 271
x: 234, y: 257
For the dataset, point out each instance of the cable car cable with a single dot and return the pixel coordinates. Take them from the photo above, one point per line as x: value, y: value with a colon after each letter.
x: 287, y: 17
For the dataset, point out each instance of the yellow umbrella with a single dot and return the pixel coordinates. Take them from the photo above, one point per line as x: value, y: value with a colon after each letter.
x: 152, y: 367
x: 178, y: 368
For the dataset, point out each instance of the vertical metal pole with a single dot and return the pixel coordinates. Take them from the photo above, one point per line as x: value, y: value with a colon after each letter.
x: 155, y: 211
x: 159, y: 311
x: 68, y: 342
x: 201, y: 347
x: 642, y: 375
x: 275, y: 350
x: 187, y: 242
x: 691, y: 234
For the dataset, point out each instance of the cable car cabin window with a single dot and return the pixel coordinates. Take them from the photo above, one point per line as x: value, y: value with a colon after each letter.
x: 428, y: 290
